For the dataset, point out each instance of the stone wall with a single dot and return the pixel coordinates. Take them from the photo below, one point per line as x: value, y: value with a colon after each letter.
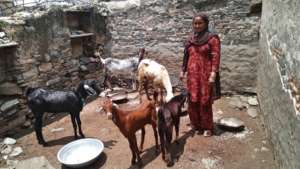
x: 52, y: 54
x: 6, y: 7
x: 162, y: 26
x: 49, y: 53
x: 279, y: 79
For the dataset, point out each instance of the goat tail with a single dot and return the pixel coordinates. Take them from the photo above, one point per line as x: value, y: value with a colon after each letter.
x: 167, y: 84
x: 29, y: 90
x: 141, y: 55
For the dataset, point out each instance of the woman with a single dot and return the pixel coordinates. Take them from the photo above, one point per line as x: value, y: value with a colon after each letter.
x: 201, y: 63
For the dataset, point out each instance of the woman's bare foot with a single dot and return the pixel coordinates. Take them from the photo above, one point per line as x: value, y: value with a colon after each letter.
x: 207, y: 133
x: 200, y: 131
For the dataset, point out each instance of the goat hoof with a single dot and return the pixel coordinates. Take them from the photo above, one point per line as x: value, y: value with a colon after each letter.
x: 170, y: 163
x: 140, y: 163
x: 44, y: 144
x: 177, y: 142
x: 156, y: 151
x: 82, y: 136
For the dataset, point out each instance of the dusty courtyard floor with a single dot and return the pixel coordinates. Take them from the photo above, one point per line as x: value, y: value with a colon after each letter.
x: 246, y: 150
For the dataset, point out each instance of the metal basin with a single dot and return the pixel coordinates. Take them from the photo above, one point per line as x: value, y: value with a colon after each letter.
x: 80, y: 153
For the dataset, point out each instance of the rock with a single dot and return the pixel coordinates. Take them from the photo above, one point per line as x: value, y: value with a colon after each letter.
x: 6, y: 150
x: 253, y: 101
x: 5, y: 157
x: 84, y: 60
x: 27, y: 124
x: 244, y: 99
x: 122, y: 6
x: 2, y: 35
x: 11, y: 113
x: 47, y: 57
x: 9, y: 141
x: 236, y: 103
x: 219, y: 112
x: 210, y: 163
x: 264, y: 149
x: 216, y: 117
x: 252, y: 112
x: 16, y: 151
x: 34, y: 163
x: 45, y: 67
x: 83, y: 68
x: 28, y: 75
x: 9, y: 105
x: 10, y: 89
x: 231, y: 124
x: 57, y: 130
x: 243, y: 134
x: 12, y: 163
x: 53, y: 81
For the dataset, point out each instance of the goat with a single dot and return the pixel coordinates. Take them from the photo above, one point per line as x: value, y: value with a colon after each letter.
x: 129, y: 121
x: 155, y: 74
x: 124, y: 67
x: 40, y: 100
x: 168, y: 116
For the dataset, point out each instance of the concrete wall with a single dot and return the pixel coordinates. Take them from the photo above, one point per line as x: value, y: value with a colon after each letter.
x: 279, y: 78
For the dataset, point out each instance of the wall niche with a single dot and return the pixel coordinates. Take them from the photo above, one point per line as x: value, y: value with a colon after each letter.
x: 82, y: 39
x: 10, y: 92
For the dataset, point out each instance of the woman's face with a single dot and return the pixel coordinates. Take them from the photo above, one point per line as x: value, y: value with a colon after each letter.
x: 198, y: 24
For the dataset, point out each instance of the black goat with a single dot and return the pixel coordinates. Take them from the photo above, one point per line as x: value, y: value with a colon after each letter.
x: 40, y: 100
x: 168, y: 115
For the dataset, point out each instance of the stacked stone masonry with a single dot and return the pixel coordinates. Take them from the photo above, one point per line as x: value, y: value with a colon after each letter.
x: 46, y: 56
x: 279, y: 79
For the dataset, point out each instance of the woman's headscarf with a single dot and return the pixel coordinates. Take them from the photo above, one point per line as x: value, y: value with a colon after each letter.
x: 200, y: 38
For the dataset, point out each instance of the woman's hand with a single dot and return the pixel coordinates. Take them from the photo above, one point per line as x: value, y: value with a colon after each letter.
x: 182, y: 75
x: 212, y: 77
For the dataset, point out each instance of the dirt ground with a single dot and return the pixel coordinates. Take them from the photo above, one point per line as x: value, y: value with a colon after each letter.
x: 249, y: 149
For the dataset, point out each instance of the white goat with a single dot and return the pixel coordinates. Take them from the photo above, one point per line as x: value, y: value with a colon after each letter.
x: 155, y: 74
x: 121, y: 67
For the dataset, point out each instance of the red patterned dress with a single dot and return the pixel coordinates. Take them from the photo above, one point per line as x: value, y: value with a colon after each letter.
x: 202, y: 60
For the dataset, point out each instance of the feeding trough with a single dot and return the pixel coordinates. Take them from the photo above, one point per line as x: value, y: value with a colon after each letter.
x: 119, y: 98
x: 80, y: 153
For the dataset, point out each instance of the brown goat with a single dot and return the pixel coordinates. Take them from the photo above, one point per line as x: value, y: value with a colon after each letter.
x: 129, y: 121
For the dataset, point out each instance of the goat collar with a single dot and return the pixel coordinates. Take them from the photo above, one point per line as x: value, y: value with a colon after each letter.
x: 83, y: 101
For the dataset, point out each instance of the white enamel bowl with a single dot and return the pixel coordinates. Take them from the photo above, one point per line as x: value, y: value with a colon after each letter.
x: 80, y: 153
